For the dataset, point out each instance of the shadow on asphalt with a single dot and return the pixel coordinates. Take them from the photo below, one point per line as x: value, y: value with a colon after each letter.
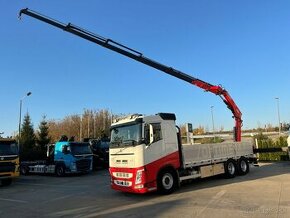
x: 153, y: 204
x: 266, y: 170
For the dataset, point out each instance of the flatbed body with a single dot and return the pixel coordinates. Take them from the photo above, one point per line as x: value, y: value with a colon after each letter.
x: 203, y: 154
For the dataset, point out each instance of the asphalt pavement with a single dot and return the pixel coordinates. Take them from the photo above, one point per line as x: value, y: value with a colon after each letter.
x: 264, y: 192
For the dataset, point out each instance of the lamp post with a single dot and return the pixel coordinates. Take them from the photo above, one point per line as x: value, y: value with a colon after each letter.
x: 81, y: 127
x: 94, y: 119
x: 212, y: 121
x: 20, y: 109
x: 88, y: 125
x: 278, y: 110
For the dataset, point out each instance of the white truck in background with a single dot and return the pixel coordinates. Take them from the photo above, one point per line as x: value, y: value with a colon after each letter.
x: 146, y: 155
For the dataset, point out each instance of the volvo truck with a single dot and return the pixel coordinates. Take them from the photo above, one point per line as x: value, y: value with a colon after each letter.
x: 63, y: 157
x: 9, y: 160
x: 146, y: 155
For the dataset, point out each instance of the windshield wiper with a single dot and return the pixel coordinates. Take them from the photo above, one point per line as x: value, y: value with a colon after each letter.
x: 116, y: 143
x: 134, y: 142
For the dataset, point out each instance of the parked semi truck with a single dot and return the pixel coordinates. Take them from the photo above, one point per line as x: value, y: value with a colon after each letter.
x: 63, y: 157
x: 9, y: 160
x: 146, y: 155
x: 100, y: 149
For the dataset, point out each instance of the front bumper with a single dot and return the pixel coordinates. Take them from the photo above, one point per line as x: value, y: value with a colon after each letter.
x: 8, y: 175
x: 9, y: 169
x: 124, y: 179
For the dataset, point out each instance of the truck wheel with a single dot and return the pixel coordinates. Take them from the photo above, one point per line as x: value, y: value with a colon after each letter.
x: 230, y: 168
x: 24, y: 170
x: 167, y: 182
x: 243, y: 166
x: 59, y: 171
x: 6, y: 182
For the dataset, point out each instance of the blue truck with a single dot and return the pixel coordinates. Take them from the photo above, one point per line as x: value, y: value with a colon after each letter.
x: 63, y: 157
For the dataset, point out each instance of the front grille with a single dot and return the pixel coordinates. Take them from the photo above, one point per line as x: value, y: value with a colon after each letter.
x: 83, y: 165
x: 7, y: 167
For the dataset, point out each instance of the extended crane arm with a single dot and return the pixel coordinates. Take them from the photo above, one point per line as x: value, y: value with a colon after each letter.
x: 131, y: 53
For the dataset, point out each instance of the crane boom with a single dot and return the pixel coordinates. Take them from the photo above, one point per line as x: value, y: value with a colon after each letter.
x: 138, y: 56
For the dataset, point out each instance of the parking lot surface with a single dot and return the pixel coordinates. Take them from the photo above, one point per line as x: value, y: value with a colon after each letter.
x: 264, y: 192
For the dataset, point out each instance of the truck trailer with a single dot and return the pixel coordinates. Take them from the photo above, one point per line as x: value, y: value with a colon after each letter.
x: 9, y: 160
x: 146, y: 155
x: 63, y: 157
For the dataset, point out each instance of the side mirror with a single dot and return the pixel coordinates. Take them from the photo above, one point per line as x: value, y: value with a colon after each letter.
x: 151, y: 134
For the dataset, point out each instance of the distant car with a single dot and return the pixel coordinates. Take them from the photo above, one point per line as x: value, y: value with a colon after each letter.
x: 100, y: 149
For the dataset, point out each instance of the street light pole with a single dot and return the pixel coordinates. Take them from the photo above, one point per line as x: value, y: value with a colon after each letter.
x: 278, y: 109
x: 88, y: 125
x: 81, y: 127
x: 94, y: 117
x: 20, y: 109
x: 212, y: 121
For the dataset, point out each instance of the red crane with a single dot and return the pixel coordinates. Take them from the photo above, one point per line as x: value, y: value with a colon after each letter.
x: 131, y: 53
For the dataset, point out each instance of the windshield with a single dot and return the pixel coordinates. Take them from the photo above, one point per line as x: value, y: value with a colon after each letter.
x: 8, y: 148
x: 80, y: 148
x: 128, y: 135
x: 101, y: 145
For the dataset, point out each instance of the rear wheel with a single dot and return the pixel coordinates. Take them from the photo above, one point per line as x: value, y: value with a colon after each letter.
x: 6, y: 182
x: 243, y: 166
x: 167, y: 181
x: 60, y: 171
x: 230, y: 168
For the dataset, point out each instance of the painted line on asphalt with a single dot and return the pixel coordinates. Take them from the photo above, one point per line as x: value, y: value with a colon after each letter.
x: 47, y: 185
x: 59, y: 198
x: 13, y: 200
x: 213, y: 200
x: 109, y: 211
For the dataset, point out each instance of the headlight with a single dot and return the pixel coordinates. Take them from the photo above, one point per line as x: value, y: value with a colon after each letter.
x: 139, y: 175
x: 73, y: 166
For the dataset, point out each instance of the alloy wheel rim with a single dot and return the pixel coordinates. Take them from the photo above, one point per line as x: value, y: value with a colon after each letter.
x: 167, y: 181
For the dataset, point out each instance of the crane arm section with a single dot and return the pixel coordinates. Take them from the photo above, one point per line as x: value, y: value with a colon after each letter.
x: 138, y: 56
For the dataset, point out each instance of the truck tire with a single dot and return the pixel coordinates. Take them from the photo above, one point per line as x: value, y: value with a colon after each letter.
x: 166, y: 181
x: 243, y: 166
x: 6, y: 182
x: 230, y: 168
x: 24, y: 170
x: 60, y: 170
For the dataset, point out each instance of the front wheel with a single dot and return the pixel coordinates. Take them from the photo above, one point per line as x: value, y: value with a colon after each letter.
x: 60, y: 171
x: 167, y: 182
x: 24, y: 170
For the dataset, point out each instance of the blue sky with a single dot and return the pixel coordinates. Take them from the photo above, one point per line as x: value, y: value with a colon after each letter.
x: 243, y: 45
